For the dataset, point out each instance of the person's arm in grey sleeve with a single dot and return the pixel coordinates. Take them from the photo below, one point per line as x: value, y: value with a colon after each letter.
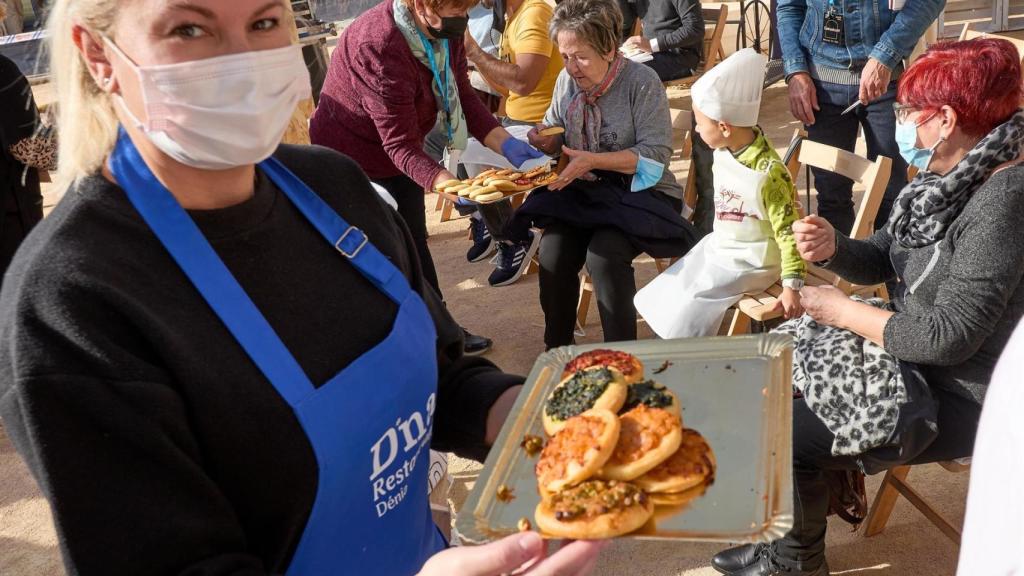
x: 909, y: 26
x: 790, y: 16
x: 691, y: 27
x: 865, y: 262
x: 652, y: 121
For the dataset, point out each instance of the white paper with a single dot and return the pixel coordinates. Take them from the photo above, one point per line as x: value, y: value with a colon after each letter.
x: 636, y: 54
x: 477, y: 157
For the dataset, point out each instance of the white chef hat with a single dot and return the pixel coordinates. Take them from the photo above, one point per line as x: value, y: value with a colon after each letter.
x: 731, y: 91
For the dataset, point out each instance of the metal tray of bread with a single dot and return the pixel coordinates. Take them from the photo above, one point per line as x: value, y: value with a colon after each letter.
x: 735, y: 391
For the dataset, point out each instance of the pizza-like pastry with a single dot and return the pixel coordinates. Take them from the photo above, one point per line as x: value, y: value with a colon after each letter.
x: 648, y: 437
x: 652, y: 395
x: 692, y: 465
x: 667, y: 505
x: 578, y: 450
x: 545, y: 179
x: 630, y: 366
x: 537, y: 171
x: 597, y: 387
x: 594, y: 509
x: 446, y: 184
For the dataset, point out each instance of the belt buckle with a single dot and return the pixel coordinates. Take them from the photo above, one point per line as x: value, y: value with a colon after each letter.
x: 358, y: 248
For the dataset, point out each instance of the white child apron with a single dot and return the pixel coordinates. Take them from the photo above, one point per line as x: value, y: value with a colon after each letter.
x: 739, y: 257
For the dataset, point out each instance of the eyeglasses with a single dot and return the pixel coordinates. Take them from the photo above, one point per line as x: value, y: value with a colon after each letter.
x: 580, y: 60
x: 902, y: 111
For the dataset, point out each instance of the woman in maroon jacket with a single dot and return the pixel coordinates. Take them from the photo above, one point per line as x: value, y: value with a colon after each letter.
x: 398, y: 70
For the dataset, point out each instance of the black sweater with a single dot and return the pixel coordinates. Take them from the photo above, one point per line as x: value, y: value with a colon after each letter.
x: 160, y: 445
x: 677, y: 25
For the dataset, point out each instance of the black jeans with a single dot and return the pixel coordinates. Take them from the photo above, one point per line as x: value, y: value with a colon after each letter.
x: 608, y: 255
x: 411, y: 206
x: 669, y: 66
x: 701, y: 159
x: 835, y: 195
x: 803, y: 548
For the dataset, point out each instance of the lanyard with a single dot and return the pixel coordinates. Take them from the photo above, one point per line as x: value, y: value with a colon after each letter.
x: 442, y: 81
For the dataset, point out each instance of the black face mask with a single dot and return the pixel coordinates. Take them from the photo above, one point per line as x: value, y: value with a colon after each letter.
x: 452, y: 27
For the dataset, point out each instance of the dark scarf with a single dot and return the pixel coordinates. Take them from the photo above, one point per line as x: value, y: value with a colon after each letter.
x: 931, y: 202
x: 583, y: 118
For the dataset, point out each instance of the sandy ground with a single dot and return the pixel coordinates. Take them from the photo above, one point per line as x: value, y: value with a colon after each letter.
x: 511, y: 315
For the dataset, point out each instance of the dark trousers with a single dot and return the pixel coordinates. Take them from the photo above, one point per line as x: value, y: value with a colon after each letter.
x: 878, y: 120
x: 701, y: 159
x: 669, y: 66
x: 412, y: 206
x: 608, y: 255
x: 803, y: 548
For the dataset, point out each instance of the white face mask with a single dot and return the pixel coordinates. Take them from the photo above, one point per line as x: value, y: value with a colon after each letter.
x: 221, y: 112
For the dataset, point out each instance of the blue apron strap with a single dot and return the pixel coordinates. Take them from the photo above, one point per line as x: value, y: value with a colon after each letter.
x: 186, y: 244
x: 350, y: 241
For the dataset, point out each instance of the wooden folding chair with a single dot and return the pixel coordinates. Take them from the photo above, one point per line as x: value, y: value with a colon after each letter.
x: 681, y: 122
x: 714, y: 28
x: 895, y: 484
x: 968, y: 34
x: 874, y: 176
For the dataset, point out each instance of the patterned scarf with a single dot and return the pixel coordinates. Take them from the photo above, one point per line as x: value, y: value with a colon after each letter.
x: 931, y: 202
x: 417, y: 43
x: 583, y: 118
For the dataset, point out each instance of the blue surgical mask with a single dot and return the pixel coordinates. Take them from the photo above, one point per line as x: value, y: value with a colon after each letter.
x: 906, y: 138
x: 648, y: 173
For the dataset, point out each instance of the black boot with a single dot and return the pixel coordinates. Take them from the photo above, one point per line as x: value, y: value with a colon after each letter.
x: 736, y: 558
x: 474, y: 345
x: 767, y: 564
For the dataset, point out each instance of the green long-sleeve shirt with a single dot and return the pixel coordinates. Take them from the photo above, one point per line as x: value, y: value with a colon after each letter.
x: 779, y: 198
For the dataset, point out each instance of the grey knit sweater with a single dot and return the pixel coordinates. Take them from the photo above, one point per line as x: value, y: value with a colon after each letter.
x: 962, y: 296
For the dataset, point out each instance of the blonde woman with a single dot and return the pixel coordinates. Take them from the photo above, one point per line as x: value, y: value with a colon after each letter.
x: 214, y: 357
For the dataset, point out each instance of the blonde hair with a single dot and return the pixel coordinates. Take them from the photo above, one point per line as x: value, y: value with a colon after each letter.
x: 86, y: 122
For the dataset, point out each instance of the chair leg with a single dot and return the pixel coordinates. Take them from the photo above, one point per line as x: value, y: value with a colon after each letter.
x: 439, y: 203
x: 532, y: 268
x: 740, y: 323
x: 446, y: 209
x: 586, y: 292
x: 884, y: 500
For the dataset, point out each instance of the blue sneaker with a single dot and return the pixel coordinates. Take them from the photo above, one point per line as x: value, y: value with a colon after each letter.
x: 483, y: 244
x: 513, y: 260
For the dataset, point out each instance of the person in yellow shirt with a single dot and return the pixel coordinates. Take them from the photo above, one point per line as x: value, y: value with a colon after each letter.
x: 527, y: 64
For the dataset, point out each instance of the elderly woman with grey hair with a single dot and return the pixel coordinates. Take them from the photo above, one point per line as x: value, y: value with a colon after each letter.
x: 615, y: 197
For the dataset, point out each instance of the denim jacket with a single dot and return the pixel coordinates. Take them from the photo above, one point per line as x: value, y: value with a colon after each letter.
x: 872, y: 30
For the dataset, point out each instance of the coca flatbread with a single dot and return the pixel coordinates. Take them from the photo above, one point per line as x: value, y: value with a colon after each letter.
x: 647, y: 438
x: 596, y: 387
x: 692, y: 465
x: 630, y: 366
x: 594, y: 509
x: 578, y: 450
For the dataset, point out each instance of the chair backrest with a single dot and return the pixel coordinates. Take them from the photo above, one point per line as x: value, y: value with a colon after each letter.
x: 682, y: 121
x: 714, y: 28
x: 874, y: 176
x: 968, y: 34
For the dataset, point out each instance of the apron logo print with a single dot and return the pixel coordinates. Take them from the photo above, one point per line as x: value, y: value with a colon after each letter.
x: 412, y: 435
x: 726, y: 208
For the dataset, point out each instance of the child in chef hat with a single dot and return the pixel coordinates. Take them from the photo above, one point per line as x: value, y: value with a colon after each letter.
x: 752, y: 244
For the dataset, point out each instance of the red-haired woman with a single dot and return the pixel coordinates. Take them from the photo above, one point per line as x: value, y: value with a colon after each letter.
x: 955, y: 244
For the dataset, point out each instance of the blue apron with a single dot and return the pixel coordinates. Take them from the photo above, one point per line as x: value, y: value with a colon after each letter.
x: 369, y: 426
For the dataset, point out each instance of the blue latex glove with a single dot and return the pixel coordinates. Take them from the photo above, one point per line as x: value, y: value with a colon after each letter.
x: 517, y: 151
